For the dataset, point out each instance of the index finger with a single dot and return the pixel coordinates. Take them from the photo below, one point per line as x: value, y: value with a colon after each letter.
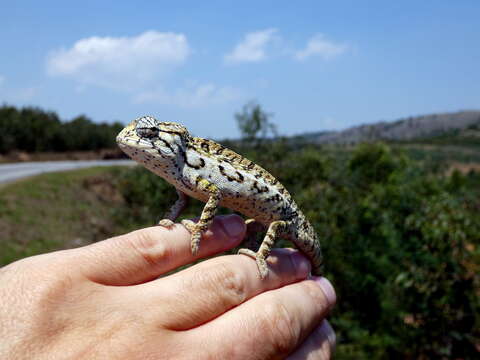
x: 146, y: 254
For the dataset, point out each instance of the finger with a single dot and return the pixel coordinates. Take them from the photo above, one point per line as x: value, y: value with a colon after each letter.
x: 145, y: 254
x: 319, y: 345
x: 272, y: 324
x: 206, y: 290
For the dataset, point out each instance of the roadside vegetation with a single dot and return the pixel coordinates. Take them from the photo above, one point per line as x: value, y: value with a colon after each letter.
x: 58, y: 211
x: 34, y: 130
x: 399, y: 227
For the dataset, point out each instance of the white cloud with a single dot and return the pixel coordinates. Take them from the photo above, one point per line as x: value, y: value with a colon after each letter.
x: 320, y: 46
x: 252, y: 48
x: 120, y: 62
x: 190, y: 97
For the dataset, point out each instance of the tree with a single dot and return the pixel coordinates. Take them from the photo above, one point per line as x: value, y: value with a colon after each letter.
x: 252, y: 121
x: 35, y: 130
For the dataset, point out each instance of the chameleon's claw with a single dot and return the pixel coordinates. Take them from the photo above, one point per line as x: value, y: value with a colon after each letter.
x: 248, y: 252
x: 261, y: 263
x: 189, y: 225
x: 195, y: 233
x: 195, y: 243
x: 166, y: 223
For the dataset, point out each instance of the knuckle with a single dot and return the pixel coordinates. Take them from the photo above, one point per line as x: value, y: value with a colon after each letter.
x: 225, y: 280
x: 49, y: 289
x: 280, y: 326
x: 150, y: 249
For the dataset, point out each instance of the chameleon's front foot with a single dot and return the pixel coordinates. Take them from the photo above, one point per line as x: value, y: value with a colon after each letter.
x: 166, y: 223
x: 261, y: 262
x: 196, y: 232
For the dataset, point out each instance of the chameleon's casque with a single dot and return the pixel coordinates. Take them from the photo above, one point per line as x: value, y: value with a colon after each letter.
x: 205, y: 170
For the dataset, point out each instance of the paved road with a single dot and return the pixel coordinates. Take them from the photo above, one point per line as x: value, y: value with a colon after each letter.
x: 15, y: 171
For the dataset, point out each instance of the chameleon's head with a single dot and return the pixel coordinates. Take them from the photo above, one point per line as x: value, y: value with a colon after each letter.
x: 150, y: 135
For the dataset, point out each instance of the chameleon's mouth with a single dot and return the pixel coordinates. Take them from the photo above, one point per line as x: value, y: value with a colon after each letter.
x: 133, y: 142
x: 128, y: 136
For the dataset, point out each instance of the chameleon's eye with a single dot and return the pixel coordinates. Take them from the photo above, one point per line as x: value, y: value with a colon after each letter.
x: 148, y: 133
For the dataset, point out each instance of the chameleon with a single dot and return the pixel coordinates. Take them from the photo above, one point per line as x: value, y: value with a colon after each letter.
x: 207, y: 171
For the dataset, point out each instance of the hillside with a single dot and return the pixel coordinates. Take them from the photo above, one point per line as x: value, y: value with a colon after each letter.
x: 412, y: 128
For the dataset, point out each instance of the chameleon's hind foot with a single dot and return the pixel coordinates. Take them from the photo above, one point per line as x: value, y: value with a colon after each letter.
x: 261, y: 263
x: 166, y: 223
x: 196, y: 233
x: 274, y: 229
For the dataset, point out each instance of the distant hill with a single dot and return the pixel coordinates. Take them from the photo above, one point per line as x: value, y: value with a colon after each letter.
x: 412, y: 128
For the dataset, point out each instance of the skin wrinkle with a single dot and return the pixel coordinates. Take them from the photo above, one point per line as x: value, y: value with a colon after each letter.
x: 262, y: 327
x: 151, y: 250
x: 232, y: 282
x: 96, y: 259
x: 316, y: 346
x: 154, y: 253
x: 62, y: 292
x: 317, y: 296
x: 284, y: 330
x: 221, y: 282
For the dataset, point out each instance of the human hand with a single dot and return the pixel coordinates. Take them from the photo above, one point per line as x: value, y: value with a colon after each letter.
x: 106, y: 301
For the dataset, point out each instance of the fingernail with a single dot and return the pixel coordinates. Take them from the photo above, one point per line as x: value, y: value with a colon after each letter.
x: 327, y: 331
x: 233, y: 225
x: 301, y: 263
x: 327, y: 289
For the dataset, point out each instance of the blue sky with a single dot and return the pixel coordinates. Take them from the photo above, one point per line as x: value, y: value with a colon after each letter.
x: 316, y: 65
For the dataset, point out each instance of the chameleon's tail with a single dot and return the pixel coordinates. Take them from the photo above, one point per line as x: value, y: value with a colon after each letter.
x: 309, y: 244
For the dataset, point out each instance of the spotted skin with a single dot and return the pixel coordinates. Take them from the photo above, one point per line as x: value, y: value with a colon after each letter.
x: 207, y: 171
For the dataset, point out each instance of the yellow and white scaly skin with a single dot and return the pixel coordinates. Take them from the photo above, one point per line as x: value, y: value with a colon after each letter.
x: 207, y: 171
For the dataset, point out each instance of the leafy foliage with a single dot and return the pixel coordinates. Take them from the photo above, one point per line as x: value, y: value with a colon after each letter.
x: 254, y: 121
x: 33, y: 130
x: 401, y: 244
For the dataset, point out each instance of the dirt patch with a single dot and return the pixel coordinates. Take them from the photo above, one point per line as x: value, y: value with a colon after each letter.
x: 104, y: 189
x: 464, y: 168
